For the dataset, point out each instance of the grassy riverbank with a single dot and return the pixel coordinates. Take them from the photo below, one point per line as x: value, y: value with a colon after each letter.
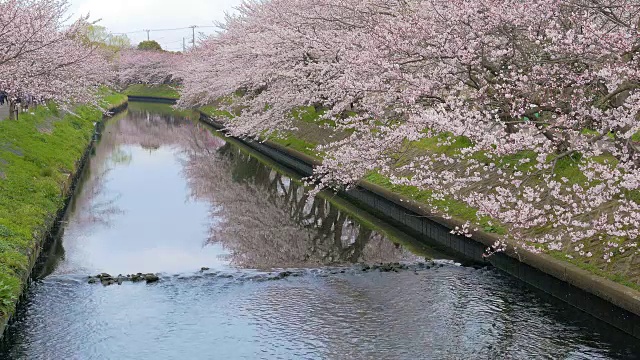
x: 39, y: 153
x: 157, y: 91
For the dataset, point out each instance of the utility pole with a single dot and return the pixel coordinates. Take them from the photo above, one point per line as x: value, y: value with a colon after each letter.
x: 148, y: 31
x: 184, y: 45
x: 193, y: 29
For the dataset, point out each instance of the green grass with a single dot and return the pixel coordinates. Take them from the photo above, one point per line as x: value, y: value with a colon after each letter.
x: 115, y: 100
x: 618, y: 278
x: 215, y: 112
x: 35, y: 168
x: 454, y: 208
x: 158, y: 91
x: 110, y: 98
x: 307, y: 114
x: 295, y: 143
x: 311, y: 115
x: 595, y: 133
x: 433, y: 144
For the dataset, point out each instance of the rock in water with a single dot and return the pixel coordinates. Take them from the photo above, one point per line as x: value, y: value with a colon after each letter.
x: 151, y: 278
x: 108, y: 282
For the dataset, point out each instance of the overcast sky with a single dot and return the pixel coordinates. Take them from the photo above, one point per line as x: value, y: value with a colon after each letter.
x: 124, y: 16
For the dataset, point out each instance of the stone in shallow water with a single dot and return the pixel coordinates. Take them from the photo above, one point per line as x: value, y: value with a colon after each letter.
x: 151, y: 278
x: 108, y: 280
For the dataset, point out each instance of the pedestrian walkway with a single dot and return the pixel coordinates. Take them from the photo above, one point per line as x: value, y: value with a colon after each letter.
x: 4, y: 112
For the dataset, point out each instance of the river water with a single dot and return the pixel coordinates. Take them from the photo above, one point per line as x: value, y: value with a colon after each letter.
x: 164, y: 194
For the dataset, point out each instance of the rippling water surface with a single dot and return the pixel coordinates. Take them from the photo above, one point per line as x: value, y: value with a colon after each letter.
x: 163, y: 194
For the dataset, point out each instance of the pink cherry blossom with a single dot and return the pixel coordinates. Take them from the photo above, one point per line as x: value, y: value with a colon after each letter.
x: 43, y: 59
x: 544, y: 93
x: 147, y: 67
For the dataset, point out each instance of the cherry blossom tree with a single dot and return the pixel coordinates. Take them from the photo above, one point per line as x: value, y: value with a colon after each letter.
x: 44, y: 59
x: 149, y: 67
x: 527, y: 111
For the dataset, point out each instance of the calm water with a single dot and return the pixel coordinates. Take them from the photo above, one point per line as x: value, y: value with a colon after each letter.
x: 163, y: 194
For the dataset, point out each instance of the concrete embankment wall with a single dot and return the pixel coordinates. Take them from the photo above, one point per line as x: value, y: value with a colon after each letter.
x: 605, y: 300
x: 52, y: 226
x: 152, y: 99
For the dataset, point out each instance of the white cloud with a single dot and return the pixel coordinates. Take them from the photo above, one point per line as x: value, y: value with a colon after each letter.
x: 123, y: 16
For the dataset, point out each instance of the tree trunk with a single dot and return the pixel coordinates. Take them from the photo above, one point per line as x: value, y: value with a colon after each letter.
x: 12, y: 110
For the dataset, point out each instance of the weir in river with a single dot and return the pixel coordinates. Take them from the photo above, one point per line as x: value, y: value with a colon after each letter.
x: 251, y: 266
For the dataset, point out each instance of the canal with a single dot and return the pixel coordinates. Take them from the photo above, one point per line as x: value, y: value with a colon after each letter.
x: 252, y: 267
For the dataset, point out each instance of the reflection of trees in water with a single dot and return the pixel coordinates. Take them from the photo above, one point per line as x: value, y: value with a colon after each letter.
x: 148, y: 130
x: 152, y: 130
x: 94, y: 204
x: 263, y: 218
x: 266, y: 220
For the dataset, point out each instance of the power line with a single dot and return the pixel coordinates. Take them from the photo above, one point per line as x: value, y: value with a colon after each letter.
x: 173, y: 29
x: 184, y: 39
x: 172, y: 42
x: 130, y: 32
